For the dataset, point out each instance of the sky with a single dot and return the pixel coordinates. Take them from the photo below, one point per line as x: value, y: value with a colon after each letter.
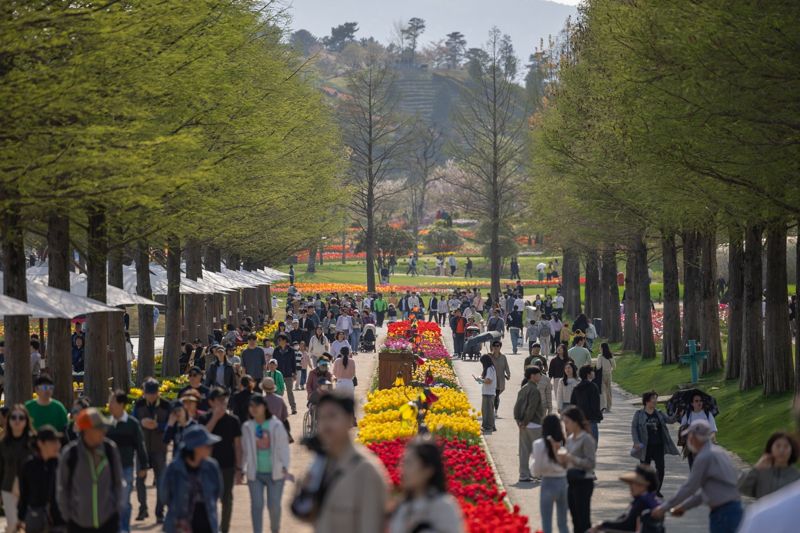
x: 527, y: 21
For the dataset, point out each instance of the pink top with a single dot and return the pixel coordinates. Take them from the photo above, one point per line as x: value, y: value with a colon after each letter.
x: 339, y: 370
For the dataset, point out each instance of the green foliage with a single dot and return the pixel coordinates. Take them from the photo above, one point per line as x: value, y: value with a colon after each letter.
x: 441, y: 239
x: 388, y: 240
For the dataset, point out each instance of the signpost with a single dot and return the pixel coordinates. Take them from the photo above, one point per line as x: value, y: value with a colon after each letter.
x: 694, y: 358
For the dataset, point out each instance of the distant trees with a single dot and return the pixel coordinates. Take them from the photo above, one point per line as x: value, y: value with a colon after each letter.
x: 440, y: 239
x: 303, y: 41
x: 340, y: 36
x: 412, y: 32
x: 425, y: 152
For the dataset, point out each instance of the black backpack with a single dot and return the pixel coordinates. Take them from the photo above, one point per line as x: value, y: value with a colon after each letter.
x: 72, y: 462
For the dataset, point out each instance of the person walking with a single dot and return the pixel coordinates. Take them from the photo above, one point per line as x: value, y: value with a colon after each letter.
x: 553, y: 475
x: 545, y: 336
x: 240, y: 401
x: 586, y: 397
x: 355, y: 481
x: 433, y: 307
x: 196, y: 384
x: 89, y: 489
x: 579, y: 462
x: 318, y: 345
x: 254, y: 359
x: 502, y: 370
x: 606, y: 364
x: 712, y: 480
x: 152, y: 412
x: 285, y: 358
x: 699, y: 411
x: 265, y: 445
x: 579, y: 353
x: 514, y: 324
x: 528, y: 413
x: 179, y: 421
x: 565, y: 386
x: 14, y: 451
x: 227, y: 451
x: 37, y: 510
x: 556, y: 367
x: 468, y: 268
x: 220, y: 373
x: 488, y: 381
x: 774, y: 469
x: 650, y: 435
x: 458, y: 324
x: 44, y: 409
x: 426, y: 504
x: 380, y: 307
x: 344, y: 370
x: 442, y: 309
x: 340, y: 342
x: 127, y: 434
x: 192, y: 484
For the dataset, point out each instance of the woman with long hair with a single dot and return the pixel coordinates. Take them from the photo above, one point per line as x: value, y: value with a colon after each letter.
x: 344, y: 370
x: 340, y: 342
x: 318, y: 345
x: 426, y: 505
x: 579, y: 462
x: 488, y: 381
x: 553, y: 474
x: 651, y: 438
x: 606, y: 364
x: 281, y: 329
x: 556, y: 367
x: 14, y: 451
x: 565, y: 386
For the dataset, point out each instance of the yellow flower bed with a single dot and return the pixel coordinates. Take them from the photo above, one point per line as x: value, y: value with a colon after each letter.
x: 388, y: 425
x: 440, y: 368
x: 267, y: 332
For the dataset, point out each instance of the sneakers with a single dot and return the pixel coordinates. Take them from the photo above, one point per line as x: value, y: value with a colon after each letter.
x: 143, y: 514
x: 294, y: 410
x: 525, y: 480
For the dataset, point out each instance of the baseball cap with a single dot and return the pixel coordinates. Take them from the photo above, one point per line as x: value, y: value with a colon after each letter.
x: 272, y: 361
x: 197, y: 435
x: 151, y: 386
x: 91, y: 418
x: 195, y: 371
x: 48, y: 433
x: 236, y: 360
x: 699, y: 428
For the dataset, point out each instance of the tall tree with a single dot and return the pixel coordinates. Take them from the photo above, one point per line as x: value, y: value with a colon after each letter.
x: 412, y: 32
x: 778, y: 364
x: 508, y: 57
x: 671, y: 342
x: 455, y: 46
x: 489, y: 127
x: 340, y: 36
x: 426, y: 152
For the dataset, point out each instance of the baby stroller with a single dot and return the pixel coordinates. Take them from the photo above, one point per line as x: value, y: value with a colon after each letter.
x: 368, y: 339
x: 474, y: 351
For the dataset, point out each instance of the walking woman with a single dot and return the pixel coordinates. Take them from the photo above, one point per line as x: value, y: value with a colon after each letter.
x: 426, y: 505
x: 265, y: 445
x: 651, y: 438
x: 698, y: 412
x: 579, y: 462
x: 774, y: 470
x: 344, y: 370
x: 340, y: 342
x: 329, y: 326
x: 487, y: 380
x: 565, y: 386
x: 606, y: 364
x: 318, y: 345
x: 14, y: 451
x: 552, y: 473
x: 556, y: 367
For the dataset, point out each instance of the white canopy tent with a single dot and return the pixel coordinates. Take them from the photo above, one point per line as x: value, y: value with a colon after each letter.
x: 78, y: 285
x: 55, y: 303
x: 12, y: 307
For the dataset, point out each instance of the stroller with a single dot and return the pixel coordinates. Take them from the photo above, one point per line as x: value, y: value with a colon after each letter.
x: 474, y: 351
x: 473, y: 345
x: 368, y: 339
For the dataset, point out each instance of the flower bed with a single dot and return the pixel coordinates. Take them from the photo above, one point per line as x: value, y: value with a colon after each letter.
x: 267, y: 332
x: 428, y: 339
x: 446, y: 286
x: 391, y: 420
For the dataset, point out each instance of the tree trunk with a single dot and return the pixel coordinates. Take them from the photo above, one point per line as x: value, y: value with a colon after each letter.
x: 592, y: 284
x: 195, y: 303
x: 709, y: 331
x: 630, y: 339
x: 172, y: 335
x: 571, y: 283
x: 495, y: 261
x: 18, y: 383
x: 270, y: 310
x: 311, y: 265
x: 146, y: 357
x: 612, y: 326
x: 59, y: 354
x: 671, y: 342
x: 369, y: 238
x: 778, y: 365
x: 733, y: 361
x: 96, y: 375
x: 797, y: 315
x: 116, y: 324
x: 751, y: 374
x: 691, y: 286
x: 647, y: 344
x: 212, y: 259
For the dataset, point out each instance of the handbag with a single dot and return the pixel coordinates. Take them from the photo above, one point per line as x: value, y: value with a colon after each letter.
x: 681, y: 436
x: 355, y: 381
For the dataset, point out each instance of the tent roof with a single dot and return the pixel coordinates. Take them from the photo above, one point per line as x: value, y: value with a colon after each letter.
x: 12, y: 307
x: 78, y: 285
x: 55, y: 303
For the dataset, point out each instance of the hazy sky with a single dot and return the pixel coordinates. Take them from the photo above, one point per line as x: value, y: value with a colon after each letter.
x: 525, y: 20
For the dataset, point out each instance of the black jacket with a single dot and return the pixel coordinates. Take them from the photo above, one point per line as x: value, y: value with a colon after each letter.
x: 37, y: 488
x: 286, y: 361
x: 586, y: 396
x: 228, y: 378
x: 153, y: 438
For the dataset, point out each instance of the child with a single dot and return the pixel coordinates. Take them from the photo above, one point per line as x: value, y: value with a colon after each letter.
x: 305, y: 363
x: 643, y: 484
x: 532, y: 334
x: 276, y: 375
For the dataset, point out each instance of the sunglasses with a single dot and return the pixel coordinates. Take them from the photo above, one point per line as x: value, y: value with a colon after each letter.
x: 18, y: 417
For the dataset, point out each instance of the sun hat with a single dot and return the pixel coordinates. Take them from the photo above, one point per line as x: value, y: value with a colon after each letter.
x: 197, y: 435
x: 268, y: 385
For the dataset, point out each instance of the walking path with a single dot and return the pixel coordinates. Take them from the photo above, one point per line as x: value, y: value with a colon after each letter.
x: 611, y: 496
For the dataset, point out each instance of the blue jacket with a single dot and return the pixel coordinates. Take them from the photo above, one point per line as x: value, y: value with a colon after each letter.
x: 174, y: 491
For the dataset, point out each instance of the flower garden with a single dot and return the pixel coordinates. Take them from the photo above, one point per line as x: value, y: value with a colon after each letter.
x: 444, y: 286
x: 393, y: 416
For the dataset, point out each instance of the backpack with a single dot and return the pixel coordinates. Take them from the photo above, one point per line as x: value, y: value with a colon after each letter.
x: 72, y: 462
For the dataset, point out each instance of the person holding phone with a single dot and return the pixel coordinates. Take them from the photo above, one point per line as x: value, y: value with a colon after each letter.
x: 488, y: 380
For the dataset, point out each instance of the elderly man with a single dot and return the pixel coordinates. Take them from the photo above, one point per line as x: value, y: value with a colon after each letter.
x: 712, y: 479
x: 528, y: 414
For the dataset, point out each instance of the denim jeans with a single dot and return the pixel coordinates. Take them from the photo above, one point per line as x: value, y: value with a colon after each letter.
x: 303, y: 376
x: 125, y: 512
x: 274, y: 493
x: 726, y: 518
x: 595, y: 432
x: 514, y: 339
x: 553, y: 490
x: 355, y: 338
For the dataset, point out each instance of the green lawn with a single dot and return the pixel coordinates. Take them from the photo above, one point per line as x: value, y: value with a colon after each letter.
x: 746, y: 419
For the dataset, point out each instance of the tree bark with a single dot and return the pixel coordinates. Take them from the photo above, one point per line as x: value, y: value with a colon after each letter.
x: 709, y: 331
x: 612, y: 326
x: 195, y: 303
x: 172, y: 335
x: 59, y: 353
x: 495, y: 261
x: 96, y: 385
x: 645, y: 318
x: 797, y: 316
x: 778, y: 364
x: 311, y: 265
x: 671, y: 342
x: 270, y: 310
x: 18, y: 383
x: 212, y: 259
x: 592, y: 284
x: 630, y: 339
x: 733, y: 361
x: 752, y: 365
x: 691, y: 286
x: 146, y: 357
x: 571, y: 282
x: 116, y: 323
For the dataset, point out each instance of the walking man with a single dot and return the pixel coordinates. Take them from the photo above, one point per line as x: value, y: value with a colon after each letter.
x: 254, y: 359
x: 586, y: 396
x: 503, y: 373
x: 528, y: 413
x: 152, y: 412
x: 468, y: 268
x: 459, y: 326
x: 285, y: 357
x: 43, y: 409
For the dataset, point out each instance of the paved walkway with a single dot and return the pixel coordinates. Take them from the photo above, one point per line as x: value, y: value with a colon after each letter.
x: 611, y: 496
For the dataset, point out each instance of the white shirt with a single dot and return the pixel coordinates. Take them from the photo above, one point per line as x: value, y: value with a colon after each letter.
x: 543, y: 466
x: 490, y: 389
x: 520, y: 303
x: 690, y: 417
x: 559, y: 302
x: 591, y: 332
x: 775, y: 512
x: 344, y: 323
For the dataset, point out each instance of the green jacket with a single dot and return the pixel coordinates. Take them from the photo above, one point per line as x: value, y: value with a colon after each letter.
x: 529, y: 407
x: 380, y: 305
x: 277, y: 377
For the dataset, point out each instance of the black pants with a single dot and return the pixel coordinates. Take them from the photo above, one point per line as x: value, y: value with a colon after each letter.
x: 431, y: 316
x: 458, y: 343
x: 442, y: 319
x: 228, y: 475
x: 379, y: 317
x: 656, y: 453
x: 497, y: 399
x: 158, y: 462
x: 109, y: 526
x: 579, y: 499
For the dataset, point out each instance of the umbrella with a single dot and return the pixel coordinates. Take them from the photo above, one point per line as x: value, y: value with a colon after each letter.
x: 12, y: 307
x: 541, y: 265
x: 477, y: 340
x: 681, y: 402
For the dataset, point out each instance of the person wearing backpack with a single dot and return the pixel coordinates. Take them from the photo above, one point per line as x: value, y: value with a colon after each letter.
x: 698, y: 412
x: 89, y: 477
